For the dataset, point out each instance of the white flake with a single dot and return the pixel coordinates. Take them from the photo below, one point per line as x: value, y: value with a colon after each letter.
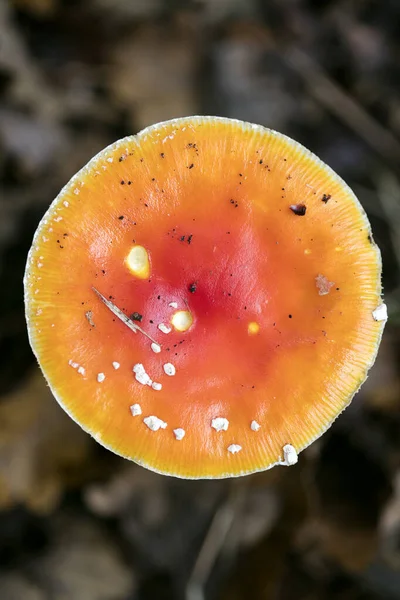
x: 156, y: 386
x: 173, y: 304
x: 323, y: 285
x: 289, y: 455
x: 40, y: 265
x: 136, y: 410
x: 154, y: 423
x: 73, y: 364
x: 179, y: 433
x: 164, y: 328
x: 155, y: 347
x: 220, y: 424
x: 81, y: 371
x: 169, y: 369
x: 116, y: 365
x: 110, y: 159
x: 66, y: 204
x: 380, y: 313
x: 234, y: 448
x: 255, y: 426
x: 76, y: 191
x: 57, y: 219
x: 44, y: 238
x: 100, y: 377
x: 141, y: 375
x: 39, y: 312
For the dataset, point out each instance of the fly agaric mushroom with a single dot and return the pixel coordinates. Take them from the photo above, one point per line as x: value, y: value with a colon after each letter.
x: 251, y: 269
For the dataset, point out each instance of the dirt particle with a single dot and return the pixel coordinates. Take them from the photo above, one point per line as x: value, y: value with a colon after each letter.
x: 298, y: 209
x: 136, y: 317
x: 326, y: 197
x: 193, y: 287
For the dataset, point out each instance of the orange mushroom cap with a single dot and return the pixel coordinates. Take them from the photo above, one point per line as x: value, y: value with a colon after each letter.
x: 204, y: 297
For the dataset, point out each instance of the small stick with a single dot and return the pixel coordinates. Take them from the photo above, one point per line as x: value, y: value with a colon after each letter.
x: 122, y: 316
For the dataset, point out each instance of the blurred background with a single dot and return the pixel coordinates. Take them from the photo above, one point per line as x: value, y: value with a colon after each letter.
x: 78, y: 523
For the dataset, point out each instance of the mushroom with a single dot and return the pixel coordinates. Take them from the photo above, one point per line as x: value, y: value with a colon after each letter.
x: 260, y: 300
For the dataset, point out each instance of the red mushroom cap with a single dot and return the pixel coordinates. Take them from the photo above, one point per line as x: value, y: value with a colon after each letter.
x: 204, y: 297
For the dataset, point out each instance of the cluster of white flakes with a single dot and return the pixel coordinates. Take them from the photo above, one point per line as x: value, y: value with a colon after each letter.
x: 77, y: 366
x: 154, y: 423
x: 140, y: 374
x: 220, y: 424
x: 142, y: 377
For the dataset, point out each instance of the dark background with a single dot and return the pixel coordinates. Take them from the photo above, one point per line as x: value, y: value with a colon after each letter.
x: 78, y: 523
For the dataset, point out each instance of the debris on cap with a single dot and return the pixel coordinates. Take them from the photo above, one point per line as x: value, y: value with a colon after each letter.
x: 289, y: 455
x: 380, y: 313
x: 220, y: 424
x: 154, y: 423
